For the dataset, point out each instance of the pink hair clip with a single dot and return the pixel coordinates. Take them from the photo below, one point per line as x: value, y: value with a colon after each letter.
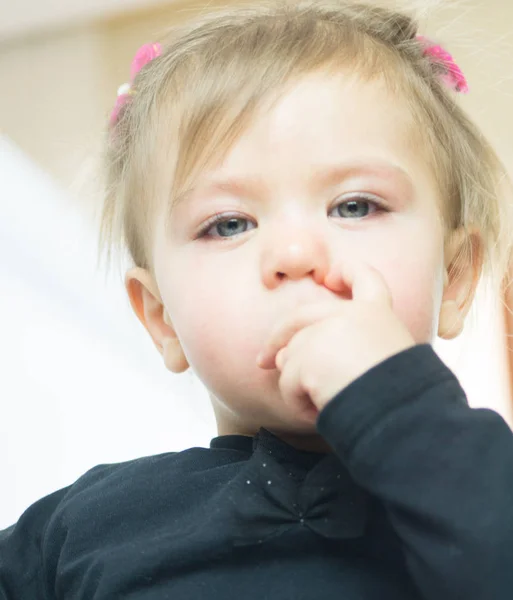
x: 453, y: 77
x: 144, y: 55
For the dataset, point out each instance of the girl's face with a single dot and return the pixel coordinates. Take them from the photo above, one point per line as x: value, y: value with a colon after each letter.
x: 331, y: 174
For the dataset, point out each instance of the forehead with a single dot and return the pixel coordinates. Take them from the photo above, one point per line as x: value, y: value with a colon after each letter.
x: 322, y: 112
x: 320, y: 124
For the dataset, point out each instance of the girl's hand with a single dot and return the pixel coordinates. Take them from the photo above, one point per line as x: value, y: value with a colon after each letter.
x: 323, y: 347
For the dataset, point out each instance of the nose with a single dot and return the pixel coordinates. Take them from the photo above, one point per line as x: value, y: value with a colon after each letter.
x: 296, y: 254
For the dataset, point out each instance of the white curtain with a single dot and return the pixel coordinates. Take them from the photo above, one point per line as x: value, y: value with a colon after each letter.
x: 80, y: 380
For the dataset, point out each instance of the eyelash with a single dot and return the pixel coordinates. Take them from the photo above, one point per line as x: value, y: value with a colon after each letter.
x: 224, y: 217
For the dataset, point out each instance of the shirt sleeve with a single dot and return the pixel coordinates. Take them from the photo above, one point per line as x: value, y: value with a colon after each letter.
x: 443, y: 471
x: 21, y: 571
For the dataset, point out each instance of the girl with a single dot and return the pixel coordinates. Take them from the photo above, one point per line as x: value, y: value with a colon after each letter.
x: 348, y: 463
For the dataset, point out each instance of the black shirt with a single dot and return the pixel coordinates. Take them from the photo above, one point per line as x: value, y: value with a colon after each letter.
x: 415, y: 503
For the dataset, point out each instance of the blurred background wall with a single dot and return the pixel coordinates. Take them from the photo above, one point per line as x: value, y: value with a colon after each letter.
x: 81, y: 383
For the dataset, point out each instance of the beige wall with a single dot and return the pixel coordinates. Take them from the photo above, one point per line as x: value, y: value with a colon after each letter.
x: 61, y: 87
x: 52, y: 97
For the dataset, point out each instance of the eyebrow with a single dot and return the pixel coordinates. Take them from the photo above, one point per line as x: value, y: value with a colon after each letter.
x: 323, y: 176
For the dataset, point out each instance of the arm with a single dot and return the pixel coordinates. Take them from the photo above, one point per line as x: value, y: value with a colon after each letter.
x: 443, y: 471
x: 21, y: 571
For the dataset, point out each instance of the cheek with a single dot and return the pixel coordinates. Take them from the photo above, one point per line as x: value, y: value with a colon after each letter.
x: 412, y: 266
x: 218, y: 326
x: 414, y: 297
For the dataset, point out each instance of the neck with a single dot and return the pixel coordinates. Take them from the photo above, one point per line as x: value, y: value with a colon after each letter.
x: 228, y: 423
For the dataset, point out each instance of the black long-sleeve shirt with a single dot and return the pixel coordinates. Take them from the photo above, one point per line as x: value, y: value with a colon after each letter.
x: 416, y: 502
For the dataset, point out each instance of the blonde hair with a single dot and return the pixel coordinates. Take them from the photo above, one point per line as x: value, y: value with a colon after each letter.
x: 194, y: 101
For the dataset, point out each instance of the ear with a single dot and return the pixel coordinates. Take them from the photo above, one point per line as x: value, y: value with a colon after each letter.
x: 463, y: 261
x: 147, y: 304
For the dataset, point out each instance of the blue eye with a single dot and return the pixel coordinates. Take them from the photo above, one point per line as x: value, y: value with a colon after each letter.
x: 230, y: 222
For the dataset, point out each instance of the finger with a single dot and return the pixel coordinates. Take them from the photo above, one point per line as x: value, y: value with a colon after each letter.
x: 292, y: 393
x: 280, y: 358
x: 281, y: 336
x: 366, y: 283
